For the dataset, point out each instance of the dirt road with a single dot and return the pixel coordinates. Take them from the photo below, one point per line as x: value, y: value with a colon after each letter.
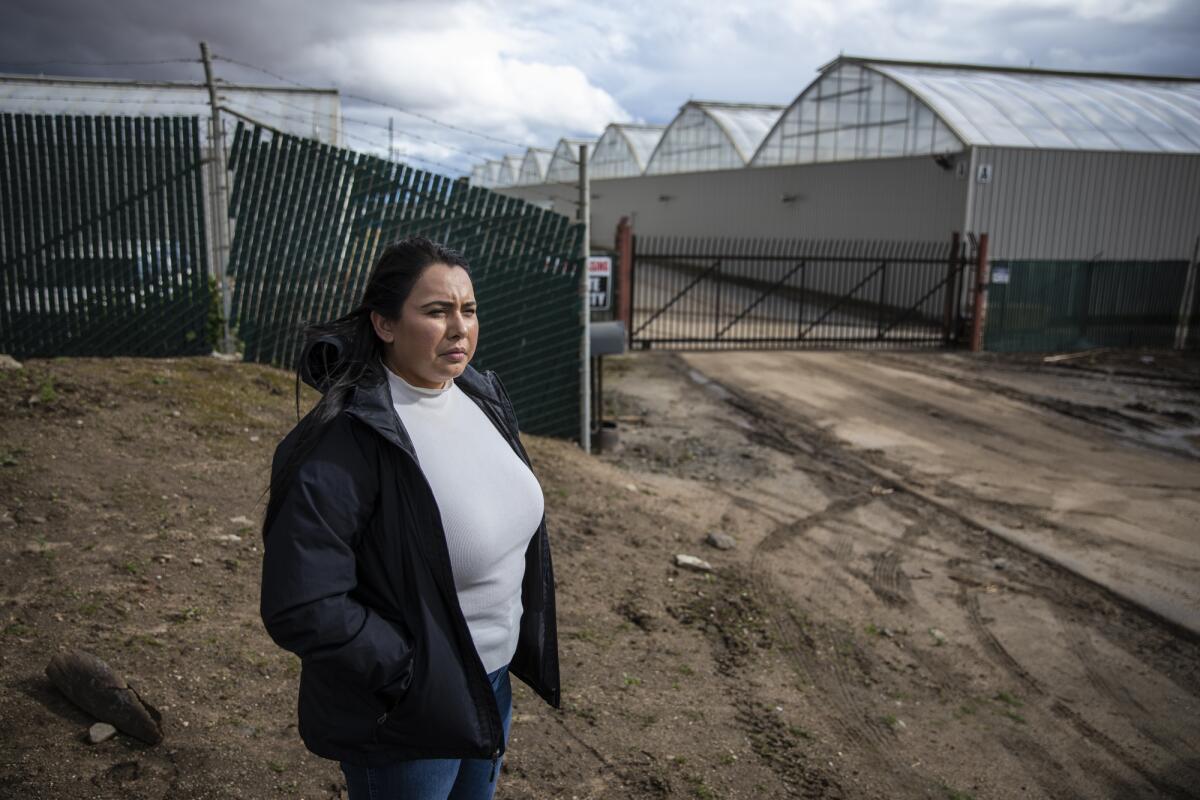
x: 1044, y: 462
x: 958, y: 620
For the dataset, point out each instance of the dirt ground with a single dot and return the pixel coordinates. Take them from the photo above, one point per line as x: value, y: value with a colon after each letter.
x: 864, y: 638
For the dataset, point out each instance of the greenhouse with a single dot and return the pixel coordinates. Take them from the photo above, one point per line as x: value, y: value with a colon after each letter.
x: 862, y: 109
x: 487, y: 174
x: 564, y: 165
x: 624, y: 150
x: 710, y: 136
x: 534, y: 166
x: 510, y: 170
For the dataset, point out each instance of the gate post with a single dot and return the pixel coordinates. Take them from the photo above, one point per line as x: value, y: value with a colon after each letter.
x: 952, y: 268
x: 624, y: 281
x: 980, y: 309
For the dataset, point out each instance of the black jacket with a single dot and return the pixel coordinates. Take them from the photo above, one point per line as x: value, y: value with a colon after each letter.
x: 357, y: 582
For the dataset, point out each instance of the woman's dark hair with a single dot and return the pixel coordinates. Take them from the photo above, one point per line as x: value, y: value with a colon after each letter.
x: 343, y: 353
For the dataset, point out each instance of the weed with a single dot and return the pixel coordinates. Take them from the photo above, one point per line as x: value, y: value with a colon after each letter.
x: 966, y: 709
x: 799, y: 732
x: 891, y: 721
x: 88, y: 609
x: 276, y: 767
x: 631, y: 680
x: 955, y: 794
x: 17, y: 629
x: 46, y: 393
x: 1008, y: 699
x: 131, y: 567
x: 186, y: 614
x: 1014, y: 716
x: 684, y: 669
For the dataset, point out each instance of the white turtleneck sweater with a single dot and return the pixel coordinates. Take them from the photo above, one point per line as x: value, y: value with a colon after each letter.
x: 490, y: 504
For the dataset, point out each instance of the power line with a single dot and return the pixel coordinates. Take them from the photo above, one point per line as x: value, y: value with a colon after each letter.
x: 278, y: 115
x: 99, y: 63
x: 373, y: 101
x: 412, y: 135
x: 402, y: 131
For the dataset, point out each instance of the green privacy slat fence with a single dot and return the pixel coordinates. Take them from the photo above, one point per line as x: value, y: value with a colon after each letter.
x: 102, y: 242
x: 1076, y: 305
x: 310, y: 219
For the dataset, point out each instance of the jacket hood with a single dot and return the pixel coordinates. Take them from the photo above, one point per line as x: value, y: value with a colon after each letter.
x: 322, y: 361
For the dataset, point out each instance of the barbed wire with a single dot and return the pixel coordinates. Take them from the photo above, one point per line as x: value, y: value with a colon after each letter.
x: 49, y: 62
x: 374, y: 101
x: 344, y: 134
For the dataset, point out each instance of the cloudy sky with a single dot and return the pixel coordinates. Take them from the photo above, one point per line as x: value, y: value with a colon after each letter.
x: 530, y: 72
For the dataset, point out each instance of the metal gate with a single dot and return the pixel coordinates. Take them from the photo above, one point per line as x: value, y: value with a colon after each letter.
x: 738, y: 293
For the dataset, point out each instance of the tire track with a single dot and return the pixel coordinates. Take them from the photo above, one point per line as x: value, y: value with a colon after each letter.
x: 1056, y: 706
x: 822, y: 655
x: 1105, y: 683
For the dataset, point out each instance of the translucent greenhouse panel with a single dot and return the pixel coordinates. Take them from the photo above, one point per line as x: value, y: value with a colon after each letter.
x: 533, y: 166
x: 510, y: 169
x: 642, y: 141
x: 564, y: 165
x: 1022, y: 109
x: 692, y: 143
x: 612, y: 157
x: 708, y: 136
x: 851, y: 113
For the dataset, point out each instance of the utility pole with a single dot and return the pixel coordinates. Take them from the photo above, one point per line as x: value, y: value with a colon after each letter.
x: 220, y: 202
x: 391, y: 150
x: 585, y: 345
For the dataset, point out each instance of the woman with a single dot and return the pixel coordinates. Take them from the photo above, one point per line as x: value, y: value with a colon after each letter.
x: 405, y: 552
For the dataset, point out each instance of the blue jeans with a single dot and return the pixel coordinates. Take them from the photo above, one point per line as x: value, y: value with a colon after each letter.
x: 435, y: 778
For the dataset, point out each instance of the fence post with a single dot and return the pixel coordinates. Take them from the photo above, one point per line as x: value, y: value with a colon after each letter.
x: 220, y: 202
x: 1186, y: 308
x: 624, y: 287
x: 980, y: 309
x: 585, y: 344
x: 951, y: 289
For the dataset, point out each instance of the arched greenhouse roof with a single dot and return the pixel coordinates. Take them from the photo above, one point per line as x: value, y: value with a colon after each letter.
x: 865, y: 108
x: 534, y: 165
x: 624, y: 150
x: 486, y: 174
x: 707, y: 136
x: 564, y: 164
x: 510, y: 170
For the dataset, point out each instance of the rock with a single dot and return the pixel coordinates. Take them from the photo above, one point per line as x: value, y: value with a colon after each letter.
x: 1000, y: 563
x: 691, y: 562
x: 939, y: 638
x: 881, y: 490
x: 90, y: 684
x: 197, y: 562
x: 163, y: 558
x: 100, y: 732
x: 228, y: 538
x: 175, y: 413
x: 8, y: 362
x: 254, y: 438
x: 721, y: 541
x: 241, y: 521
x: 631, y: 487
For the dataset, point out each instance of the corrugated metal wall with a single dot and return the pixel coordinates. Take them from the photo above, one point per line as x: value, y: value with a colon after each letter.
x: 895, y: 199
x: 1070, y: 205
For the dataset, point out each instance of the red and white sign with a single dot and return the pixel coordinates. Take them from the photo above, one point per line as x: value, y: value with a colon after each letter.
x: 600, y: 282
